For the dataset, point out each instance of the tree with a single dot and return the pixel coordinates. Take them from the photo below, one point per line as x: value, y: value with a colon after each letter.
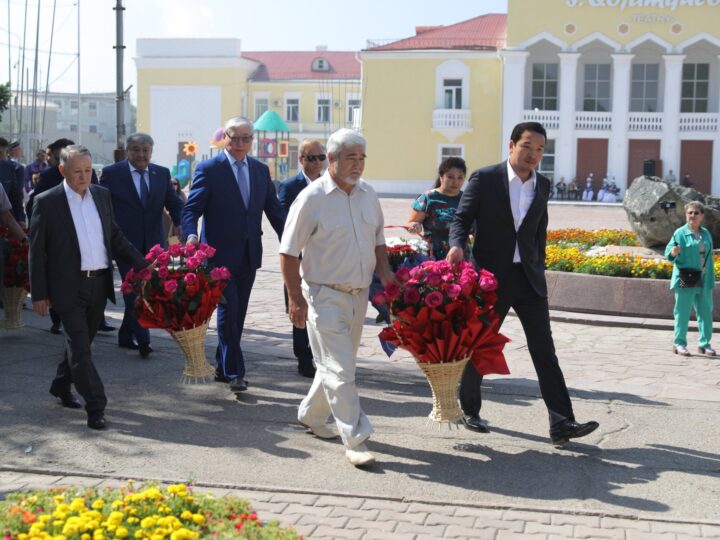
x: 5, y: 97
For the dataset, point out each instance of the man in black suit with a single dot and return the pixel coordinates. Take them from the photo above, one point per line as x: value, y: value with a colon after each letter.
x: 313, y: 161
x: 140, y: 190
x: 507, y: 203
x: 73, y: 240
x: 11, y: 179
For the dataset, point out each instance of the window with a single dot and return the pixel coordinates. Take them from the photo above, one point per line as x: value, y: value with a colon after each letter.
x: 320, y: 64
x: 453, y: 93
x: 292, y: 110
x: 322, y: 114
x: 73, y: 104
x: 92, y: 128
x: 58, y: 102
x: 695, y: 84
x: 596, y: 90
x: 450, y: 151
x: 547, y: 165
x: 644, y: 90
x: 92, y: 108
x: 544, y: 95
x: 261, y: 105
x: 352, y: 106
x: 73, y: 128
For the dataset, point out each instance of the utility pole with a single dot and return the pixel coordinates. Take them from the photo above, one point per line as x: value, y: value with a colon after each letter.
x: 119, y: 90
x: 79, y: 127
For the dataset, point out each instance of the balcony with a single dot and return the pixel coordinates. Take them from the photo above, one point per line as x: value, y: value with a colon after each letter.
x: 640, y: 121
x: 452, y: 122
x: 549, y: 119
x: 596, y: 121
x: 699, y: 122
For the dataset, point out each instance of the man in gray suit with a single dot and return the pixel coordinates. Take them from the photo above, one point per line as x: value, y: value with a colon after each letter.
x: 73, y: 239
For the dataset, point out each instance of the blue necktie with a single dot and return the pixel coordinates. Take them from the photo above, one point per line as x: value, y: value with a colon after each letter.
x: 144, y: 191
x: 243, y: 182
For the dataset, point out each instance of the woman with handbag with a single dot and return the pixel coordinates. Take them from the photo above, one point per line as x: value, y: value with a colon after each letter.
x: 691, y: 251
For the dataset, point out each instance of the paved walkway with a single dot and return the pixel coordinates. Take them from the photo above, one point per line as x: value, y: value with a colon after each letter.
x: 651, y: 471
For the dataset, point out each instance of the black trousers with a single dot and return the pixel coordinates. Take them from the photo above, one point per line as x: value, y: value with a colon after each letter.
x: 301, y: 342
x: 534, y: 315
x: 80, y: 324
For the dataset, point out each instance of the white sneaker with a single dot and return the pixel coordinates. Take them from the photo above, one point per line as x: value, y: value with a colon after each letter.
x: 322, y: 431
x: 681, y: 350
x: 359, y: 456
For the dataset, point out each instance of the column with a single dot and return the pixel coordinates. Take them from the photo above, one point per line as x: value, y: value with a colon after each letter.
x: 618, y: 144
x: 513, y: 94
x: 715, y: 182
x: 670, y: 142
x: 565, y: 146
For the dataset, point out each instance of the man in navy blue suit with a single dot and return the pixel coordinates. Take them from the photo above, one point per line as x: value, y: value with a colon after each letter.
x: 231, y: 191
x: 313, y: 161
x: 140, y: 190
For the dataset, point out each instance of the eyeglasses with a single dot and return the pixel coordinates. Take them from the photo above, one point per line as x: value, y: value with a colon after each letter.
x: 244, y: 139
x: 313, y: 159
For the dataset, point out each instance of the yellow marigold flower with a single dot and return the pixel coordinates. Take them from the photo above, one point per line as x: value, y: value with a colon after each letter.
x: 198, y: 519
x: 121, y: 532
x: 59, y: 498
x: 58, y: 523
x: 132, y: 520
x: 44, y: 518
x: 148, y: 522
x: 77, y: 504
x: 98, y: 504
x: 186, y: 514
x: 85, y: 536
x: 117, y: 503
x: 22, y: 536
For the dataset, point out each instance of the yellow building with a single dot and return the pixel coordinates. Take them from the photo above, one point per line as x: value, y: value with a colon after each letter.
x: 187, y: 88
x: 622, y: 86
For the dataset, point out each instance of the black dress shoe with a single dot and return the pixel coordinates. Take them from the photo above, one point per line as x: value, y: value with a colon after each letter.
x: 569, y: 429
x: 129, y: 345
x: 97, y: 421
x: 145, y: 350
x: 475, y: 423
x: 105, y: 327
x: 238, y: 385
x: 307, y: 370
x: 222, y: 379
x: 68, y: 400
x: 55, y: 329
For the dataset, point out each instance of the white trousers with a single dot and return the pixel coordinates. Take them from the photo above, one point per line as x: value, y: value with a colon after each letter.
x: 334, y: 323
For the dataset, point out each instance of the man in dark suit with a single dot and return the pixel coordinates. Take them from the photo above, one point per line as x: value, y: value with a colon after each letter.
x: 507, y: 203
x: 140, y: 190
x: 312, y: 160
x: 231, y: 191
x: 11, y: 178
x: 73, y: 240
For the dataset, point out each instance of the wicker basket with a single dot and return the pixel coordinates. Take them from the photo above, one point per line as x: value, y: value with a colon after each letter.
x: 444, y: 379
x: 192, y: 344
x: 13, y: 298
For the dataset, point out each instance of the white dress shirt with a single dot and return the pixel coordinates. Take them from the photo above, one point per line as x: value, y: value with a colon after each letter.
x: 85, y: 216
x: 135, y: 173
x: 522, y: 194
x: 307, y: 179
x: 336, y: 232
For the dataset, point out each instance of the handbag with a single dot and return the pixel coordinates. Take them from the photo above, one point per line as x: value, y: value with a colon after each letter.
x: 688, y: 277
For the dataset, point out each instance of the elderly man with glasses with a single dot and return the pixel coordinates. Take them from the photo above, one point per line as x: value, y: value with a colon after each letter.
x: 230, y: 192
x: 313, y: 161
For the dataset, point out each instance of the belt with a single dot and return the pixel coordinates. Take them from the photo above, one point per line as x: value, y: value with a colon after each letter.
x: 341, y: 288
x: 94, y: 273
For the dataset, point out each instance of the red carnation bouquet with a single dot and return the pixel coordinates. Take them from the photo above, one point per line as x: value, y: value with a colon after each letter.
x: 443, y: 315
x: 15, y: 271
x: 180, y: 295
x: 181, y: 292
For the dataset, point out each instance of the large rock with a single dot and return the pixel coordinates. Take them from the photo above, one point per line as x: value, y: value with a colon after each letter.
x: 654, y: 225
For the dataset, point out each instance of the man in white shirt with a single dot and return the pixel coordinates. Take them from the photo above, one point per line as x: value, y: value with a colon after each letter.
x: 507, y: 204
x: 73, y: 239
x: 337, y: 224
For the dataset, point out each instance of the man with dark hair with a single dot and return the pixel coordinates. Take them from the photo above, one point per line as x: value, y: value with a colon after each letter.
x: 11, y: 178
x: 140, y: 191
x: 507, y: 203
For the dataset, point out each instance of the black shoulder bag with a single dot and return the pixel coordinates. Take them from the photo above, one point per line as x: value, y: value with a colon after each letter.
x: 690, y: 277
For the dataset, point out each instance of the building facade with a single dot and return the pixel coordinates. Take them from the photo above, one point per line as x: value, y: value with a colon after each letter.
x: 188, y: 88
x: 619, y: 84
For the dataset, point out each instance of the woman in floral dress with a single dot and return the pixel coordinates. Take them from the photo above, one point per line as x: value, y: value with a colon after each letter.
x: 433, y: 211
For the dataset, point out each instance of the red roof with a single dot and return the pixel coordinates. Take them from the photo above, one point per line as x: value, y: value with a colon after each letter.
x: 483, y: 32
x: 289, y: 65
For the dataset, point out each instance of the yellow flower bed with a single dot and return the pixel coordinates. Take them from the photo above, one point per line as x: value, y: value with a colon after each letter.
x: 151, y: 512
x: 565, y: 253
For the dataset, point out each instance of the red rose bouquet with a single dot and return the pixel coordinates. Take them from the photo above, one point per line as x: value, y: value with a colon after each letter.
x: 181, y: 292
x: 444, y: 316
x: 180, y: 295
x: 15, y: 279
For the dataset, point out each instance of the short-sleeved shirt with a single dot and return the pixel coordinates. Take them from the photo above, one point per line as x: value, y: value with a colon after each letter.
x: 336, y: 232
x: 4, y: 200
x: 439, y: 214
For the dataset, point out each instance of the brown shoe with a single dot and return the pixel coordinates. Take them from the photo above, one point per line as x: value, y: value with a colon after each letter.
x: 681, y: 350
x: 709, y: 351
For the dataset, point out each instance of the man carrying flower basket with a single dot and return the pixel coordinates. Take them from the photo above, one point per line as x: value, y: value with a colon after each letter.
x: 507, y: 204
x: 337, y: 224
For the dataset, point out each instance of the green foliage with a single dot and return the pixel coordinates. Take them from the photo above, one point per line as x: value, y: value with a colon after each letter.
x: 5, y: 97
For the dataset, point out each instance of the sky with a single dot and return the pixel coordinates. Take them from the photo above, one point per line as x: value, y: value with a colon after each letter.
x: 262, y: 25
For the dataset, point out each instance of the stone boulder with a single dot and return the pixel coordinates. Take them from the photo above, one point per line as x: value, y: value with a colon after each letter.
x: 654, y: 225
